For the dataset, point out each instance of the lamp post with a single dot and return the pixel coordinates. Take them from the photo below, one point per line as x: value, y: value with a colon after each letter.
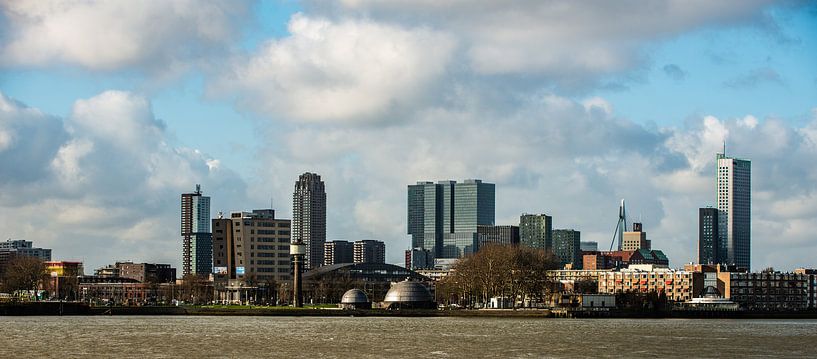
x: 297, y: 251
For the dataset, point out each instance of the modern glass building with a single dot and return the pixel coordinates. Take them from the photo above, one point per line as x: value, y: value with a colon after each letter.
x: 734, y: 184
x: 437, y: 209
x: 197, y: 241
x: 536, y: 231
x: 474, y: 204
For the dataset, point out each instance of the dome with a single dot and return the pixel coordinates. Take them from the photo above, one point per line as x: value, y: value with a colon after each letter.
x: 408, y: 292
x: 354, y: 296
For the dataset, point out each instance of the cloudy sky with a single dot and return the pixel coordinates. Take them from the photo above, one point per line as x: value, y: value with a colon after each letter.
x: 110, y: 109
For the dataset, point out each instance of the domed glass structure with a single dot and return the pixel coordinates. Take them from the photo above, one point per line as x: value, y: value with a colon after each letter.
x: 409, y: 295
x: 355, y: 299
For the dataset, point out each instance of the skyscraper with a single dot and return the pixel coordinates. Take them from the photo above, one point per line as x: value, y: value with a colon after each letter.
x: 449, y: 212
x: 710, y: 248
x: 474, y: 204
x: 536, y: 231
x: 309, y: 217
x: 197, y: 246
x: 734, y: 185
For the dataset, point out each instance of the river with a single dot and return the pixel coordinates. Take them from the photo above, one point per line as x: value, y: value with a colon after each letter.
x: 401, y: 337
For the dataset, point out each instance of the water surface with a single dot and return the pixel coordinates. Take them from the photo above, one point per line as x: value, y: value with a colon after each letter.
x: 377, y: 337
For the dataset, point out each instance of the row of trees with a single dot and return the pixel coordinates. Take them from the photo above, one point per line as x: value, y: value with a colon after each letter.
x: 514, y: 272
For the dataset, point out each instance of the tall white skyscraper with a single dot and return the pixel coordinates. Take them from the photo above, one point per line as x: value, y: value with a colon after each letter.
x: 734, y: 179
x: 309, y: 218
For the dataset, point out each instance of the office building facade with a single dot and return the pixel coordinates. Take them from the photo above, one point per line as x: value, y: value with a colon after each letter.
x: 197, y: 243
x: 536, y: 231
x: 567, y: 247
x: 309, y: 217
x: 252, y: 245
x: 734, y: 186
x: 369, y: 251
x: 711, y: 250
x: 436, y: 211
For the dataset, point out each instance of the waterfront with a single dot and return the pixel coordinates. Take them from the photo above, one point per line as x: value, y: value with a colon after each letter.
x: 374, y: 337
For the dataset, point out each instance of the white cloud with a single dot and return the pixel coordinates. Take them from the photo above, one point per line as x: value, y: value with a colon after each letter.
x: 112, y: 35
x: 567, y: 40
x: 112, y: 180
x: 352, y: 71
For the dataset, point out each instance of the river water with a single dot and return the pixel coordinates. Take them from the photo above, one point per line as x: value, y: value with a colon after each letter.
x: 445, y: 337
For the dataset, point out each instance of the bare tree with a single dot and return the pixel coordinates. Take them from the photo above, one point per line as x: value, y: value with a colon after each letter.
x: 513, y: 272
x: 23, y: 273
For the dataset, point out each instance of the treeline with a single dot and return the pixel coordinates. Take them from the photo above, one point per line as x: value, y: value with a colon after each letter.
x: 514, y: 272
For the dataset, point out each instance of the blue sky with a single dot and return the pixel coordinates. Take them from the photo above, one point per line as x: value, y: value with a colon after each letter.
x: 566, y: 108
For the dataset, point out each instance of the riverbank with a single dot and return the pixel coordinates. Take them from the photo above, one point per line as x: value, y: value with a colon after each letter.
x: 69, y: 308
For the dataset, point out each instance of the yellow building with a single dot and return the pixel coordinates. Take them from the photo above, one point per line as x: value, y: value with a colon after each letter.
x: 64, y: 269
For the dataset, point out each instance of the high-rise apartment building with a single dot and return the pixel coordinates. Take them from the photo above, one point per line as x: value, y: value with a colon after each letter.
x: 734, y: 184
x: 504, y: 235
x: 536, y: 231
x: 711, y: 250
x: 567, y: 246
x: 369, y: 251
x: 309, y: 217
x: 197, y: 244
x: 252, y: 245
x: 447, y: 213
x: 337, y: 252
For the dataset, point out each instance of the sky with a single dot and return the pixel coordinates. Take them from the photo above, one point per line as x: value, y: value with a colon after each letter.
x: 109, y: 110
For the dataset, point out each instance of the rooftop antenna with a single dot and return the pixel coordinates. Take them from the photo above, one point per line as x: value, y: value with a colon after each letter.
x: 270, y: 203
x: 198, y: 189
x: 724, y: 147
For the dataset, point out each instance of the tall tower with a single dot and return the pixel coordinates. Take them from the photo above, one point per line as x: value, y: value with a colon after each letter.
x: 197, y: 252
x: 734, y: 185
x: 309, y: 218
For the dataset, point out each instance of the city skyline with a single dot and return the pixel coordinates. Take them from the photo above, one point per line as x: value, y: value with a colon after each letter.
x: 564, y: 109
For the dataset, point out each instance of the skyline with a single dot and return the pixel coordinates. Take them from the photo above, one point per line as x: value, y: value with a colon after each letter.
x: 566, y: 110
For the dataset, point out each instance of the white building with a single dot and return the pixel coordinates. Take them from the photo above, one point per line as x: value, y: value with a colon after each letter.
x: 734, y: 181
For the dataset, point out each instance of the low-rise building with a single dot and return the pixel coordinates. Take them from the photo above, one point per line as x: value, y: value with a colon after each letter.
x: 812, y: 285
x: 677, y: 285
x: 147, y: 272
x: 767, y: 290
